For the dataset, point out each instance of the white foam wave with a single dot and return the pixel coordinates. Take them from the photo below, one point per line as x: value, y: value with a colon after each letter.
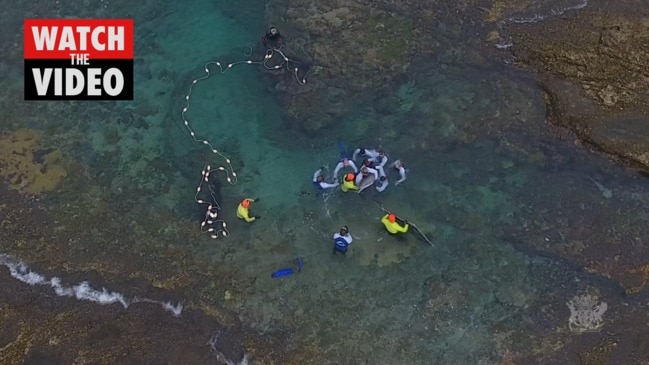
x: 505, y: 40
x: 213, y: 342
x: 219, y: 356
x: 553, y: 12
x: 81, y: 291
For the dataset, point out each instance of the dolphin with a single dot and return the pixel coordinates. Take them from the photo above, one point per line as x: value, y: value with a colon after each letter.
x: 366, y: 183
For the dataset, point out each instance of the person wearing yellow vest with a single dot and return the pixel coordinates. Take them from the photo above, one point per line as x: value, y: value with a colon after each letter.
x: 242, y: 210
x: 348, y: 183
x: 391, y: 224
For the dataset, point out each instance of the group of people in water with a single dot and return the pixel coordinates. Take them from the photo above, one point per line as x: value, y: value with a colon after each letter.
x: 372, y: 172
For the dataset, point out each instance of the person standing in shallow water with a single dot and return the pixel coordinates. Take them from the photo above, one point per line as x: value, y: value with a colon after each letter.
x: 342, y: 240
x: 273, y: 39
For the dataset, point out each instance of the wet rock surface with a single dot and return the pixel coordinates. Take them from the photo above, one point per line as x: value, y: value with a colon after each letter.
x: 594, y: 67
x: 38, y: 326
x: 41, y: 328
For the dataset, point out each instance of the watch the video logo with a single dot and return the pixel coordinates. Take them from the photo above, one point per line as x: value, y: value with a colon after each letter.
x: 78, y: 59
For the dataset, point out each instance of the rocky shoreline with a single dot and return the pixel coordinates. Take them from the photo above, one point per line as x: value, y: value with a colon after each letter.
x: 590, y: 57
x: 594, y: 67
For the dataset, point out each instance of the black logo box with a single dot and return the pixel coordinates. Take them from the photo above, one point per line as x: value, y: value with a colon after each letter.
x: 125, y: 66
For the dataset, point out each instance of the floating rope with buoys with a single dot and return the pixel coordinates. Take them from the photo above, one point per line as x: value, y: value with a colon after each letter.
x: 212, y: 223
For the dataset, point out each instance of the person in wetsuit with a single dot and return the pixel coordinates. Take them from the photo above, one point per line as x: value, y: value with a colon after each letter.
x: 272, y: 39
x: 319, y: 180
x: 342, y: 240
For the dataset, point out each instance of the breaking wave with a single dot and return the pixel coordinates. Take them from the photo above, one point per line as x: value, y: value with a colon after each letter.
x: 81, y: 291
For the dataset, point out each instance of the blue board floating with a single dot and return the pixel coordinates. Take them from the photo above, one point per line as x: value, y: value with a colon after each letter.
x: 282, y: 272
x: 288, y: 270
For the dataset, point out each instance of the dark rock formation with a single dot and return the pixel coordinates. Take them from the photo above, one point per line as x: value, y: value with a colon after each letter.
x: 594, y: 67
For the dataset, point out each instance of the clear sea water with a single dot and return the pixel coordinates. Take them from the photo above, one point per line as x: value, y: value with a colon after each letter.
x: 486, y: 175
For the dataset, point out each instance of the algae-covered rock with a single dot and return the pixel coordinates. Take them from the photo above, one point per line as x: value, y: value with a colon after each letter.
x: 26, y: 165
x: 603, y: 50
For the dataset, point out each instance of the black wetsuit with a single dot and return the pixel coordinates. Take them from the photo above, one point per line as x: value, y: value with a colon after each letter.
x: 272, y: 40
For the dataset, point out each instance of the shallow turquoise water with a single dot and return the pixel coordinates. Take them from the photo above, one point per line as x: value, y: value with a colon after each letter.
x: 481, y: 163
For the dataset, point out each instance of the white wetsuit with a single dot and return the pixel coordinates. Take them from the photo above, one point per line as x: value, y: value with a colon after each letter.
x: 397, y: 165
x: 341, y: 164
x: 369, y: 153
x: 380, y: 161
x: 381, y: 185
x: 323, y: 185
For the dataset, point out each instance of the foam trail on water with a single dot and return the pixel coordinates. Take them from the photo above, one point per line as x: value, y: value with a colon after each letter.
x: 176, y: 309
x: 219, y: 356
x: 557, y: 11
x: 81, y: 291
x: 506, y: 39
x: 325, y: 198
x: 213, y: 343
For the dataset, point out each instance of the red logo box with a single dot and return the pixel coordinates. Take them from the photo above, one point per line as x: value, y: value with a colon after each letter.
x: 78, y: 59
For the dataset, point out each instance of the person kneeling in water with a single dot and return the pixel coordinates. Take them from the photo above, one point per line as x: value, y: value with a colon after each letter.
x: 348, y: 183
x: 382, y: 183
x: 401, y: 168
x: 365, y: 171
x: 343, y: 163
x: 319, y: 180
x: 392, y: 226
x: 242, y: 210
x: 365, y: 152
